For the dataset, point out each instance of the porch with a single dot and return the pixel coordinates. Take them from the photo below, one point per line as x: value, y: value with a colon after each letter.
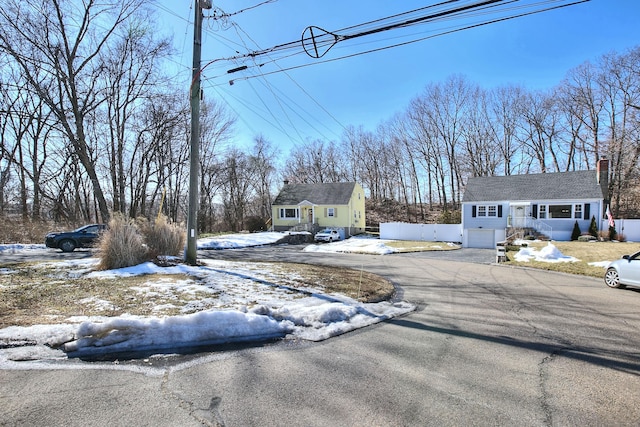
x: 522, y: 224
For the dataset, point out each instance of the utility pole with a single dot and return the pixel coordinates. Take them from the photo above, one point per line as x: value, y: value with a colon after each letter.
x: 191, y: 253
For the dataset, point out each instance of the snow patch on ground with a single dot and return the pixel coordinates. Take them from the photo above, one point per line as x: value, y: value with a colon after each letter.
x: 549, y: 253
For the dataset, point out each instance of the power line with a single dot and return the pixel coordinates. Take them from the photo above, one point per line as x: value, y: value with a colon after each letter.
x: 306, y: 93
x: 489, y: 3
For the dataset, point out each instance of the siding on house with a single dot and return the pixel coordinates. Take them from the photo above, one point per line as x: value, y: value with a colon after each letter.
x: 551, y: 202
x: 340, y: 205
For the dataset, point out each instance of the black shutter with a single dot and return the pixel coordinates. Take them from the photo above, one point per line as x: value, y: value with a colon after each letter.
x: 473, y: 211
x: 534, y: 210
x: 587, y: 210
x: 499, y: 211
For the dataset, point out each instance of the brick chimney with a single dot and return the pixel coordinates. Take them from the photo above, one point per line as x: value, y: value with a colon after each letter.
x: 602, y: 175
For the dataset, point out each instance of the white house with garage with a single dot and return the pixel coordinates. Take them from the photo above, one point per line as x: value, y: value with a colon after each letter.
x: 495, y: 207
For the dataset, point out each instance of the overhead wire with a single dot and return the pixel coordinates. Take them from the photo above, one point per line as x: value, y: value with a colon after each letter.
x: 269, y: 87
x: 305, y: 92
x: 436, y: 13
x: 475, y: 25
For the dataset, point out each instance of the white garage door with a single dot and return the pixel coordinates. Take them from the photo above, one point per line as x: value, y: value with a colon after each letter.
x: 481, y: 238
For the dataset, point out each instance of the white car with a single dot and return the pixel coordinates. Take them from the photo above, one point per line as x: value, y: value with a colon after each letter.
x: 624, y: 272
x: 328, y: 235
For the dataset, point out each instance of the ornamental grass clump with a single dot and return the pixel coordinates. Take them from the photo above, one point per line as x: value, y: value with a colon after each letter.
x: 162, y: 237
x: 121, y: 245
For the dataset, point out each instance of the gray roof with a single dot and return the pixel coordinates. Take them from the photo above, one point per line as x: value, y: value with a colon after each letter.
x: 334, y: 193
x: 541, y: 186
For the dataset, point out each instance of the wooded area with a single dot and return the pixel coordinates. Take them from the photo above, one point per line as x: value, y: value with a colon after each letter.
x: 92, y: 123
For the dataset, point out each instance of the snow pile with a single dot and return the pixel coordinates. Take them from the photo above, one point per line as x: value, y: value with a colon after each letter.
x: 19, y: 247
x: 137, y: 334
x: 549, y: 253
x: 603, y: 264
x: 361, y: 245
x: 235, y: 241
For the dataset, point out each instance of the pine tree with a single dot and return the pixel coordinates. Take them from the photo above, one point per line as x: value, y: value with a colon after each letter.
x: 593, y: 228
x: 576, y: 231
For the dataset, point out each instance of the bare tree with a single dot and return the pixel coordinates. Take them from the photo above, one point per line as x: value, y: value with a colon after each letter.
x: 64, y: 42
x: 236, y: 188
x: 620, y: 84
x: 539, y: 130
x: 479, y: 136
x: 583, y: 100
x: 130, y: 79
x: 505, y: 103
x: 315, y: 161
x: 262, y: 160
x: 216, y: 129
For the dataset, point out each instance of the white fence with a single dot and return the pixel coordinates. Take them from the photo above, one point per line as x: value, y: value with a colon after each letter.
x: 421, y: 232
x: 630, y: 228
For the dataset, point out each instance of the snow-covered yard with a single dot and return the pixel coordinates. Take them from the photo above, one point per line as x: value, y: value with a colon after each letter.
x: 253, y: 305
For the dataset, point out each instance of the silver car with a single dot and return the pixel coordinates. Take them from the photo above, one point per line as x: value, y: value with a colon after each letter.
x: 624, y: 272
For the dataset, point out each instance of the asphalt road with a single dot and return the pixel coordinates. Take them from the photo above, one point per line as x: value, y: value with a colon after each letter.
x: 487, y: 345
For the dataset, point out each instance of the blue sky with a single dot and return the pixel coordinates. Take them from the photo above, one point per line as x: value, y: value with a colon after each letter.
x: 319, y: 99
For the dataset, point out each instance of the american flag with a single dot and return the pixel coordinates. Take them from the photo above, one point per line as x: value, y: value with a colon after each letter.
x: 612, y: 223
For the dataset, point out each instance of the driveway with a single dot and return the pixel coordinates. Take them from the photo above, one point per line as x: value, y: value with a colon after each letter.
x: 488, y: 345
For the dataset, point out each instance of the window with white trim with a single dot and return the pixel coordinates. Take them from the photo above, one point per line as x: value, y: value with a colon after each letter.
x: 560, y: 211
x: 577, y: 211
x: 331, y: 212
x: 289, y: 213
x: 542, y: 212
x: 487, y: 211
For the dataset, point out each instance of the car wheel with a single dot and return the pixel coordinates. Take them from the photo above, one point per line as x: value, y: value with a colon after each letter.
x: 67, y: 245
x: 330, y: 239
x: 612, y: 278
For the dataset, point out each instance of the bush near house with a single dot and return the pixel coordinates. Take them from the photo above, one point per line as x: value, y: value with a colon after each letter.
x: 575, y: 234
x: 593, y: 227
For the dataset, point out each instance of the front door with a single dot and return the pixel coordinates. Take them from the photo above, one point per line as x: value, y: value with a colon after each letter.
x: 519, y: 215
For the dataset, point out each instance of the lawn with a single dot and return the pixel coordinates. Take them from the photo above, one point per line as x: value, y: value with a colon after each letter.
x: 420, y: 246
x: 43, y: 293
x: 585, y: 252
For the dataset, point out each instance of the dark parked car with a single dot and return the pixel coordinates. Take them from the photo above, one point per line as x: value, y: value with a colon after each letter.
x: 83, y: 237
x: 624, y: 272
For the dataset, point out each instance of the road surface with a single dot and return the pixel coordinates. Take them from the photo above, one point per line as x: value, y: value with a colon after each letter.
x: 487, y: 345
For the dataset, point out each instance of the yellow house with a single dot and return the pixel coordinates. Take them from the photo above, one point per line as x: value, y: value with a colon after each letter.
x: 315, y: 206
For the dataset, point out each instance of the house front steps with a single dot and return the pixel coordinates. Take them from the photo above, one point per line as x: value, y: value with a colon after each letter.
x: 514, y: 233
